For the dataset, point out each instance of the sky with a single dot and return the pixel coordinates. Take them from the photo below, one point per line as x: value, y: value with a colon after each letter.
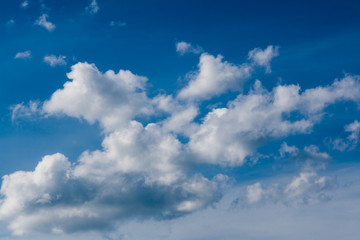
x: 193, y: 120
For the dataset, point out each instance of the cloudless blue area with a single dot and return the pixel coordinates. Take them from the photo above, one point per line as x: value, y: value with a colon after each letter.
x: 319, y: 41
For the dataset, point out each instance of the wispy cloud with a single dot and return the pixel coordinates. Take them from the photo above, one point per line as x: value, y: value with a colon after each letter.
x: 10, y: 23
x: 24, y: 4
x: 24, y: 55
x: 117, y: 24
x: 25, y: 111
x: 53, y: 60
x: 43, y: 22
x: 93, y: 7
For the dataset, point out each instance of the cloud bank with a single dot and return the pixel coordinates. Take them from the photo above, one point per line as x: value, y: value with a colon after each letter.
x: 148, y: 170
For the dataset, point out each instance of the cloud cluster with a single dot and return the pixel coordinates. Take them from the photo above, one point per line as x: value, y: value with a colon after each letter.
x: 148, y: 170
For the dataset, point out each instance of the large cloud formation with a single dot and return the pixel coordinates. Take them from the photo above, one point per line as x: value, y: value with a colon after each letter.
x: 145, y: 170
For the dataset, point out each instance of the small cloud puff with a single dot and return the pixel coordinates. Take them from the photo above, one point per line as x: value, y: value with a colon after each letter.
x: 10, y: 23
x: 42, y: 21
x: 23, y: 55
x: 184, y: 47
x: 25, y: 4
x: 263, y: 57
x: 53, y: 60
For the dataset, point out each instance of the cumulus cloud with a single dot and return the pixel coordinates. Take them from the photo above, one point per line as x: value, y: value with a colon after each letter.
x: 93, y: 7
x: 263, y: 57
x: 43, y: 22
x: 229, y: 135
x: 116, y: 97
x: 53, y: 60
x: 214, y: 77
x: 148, y: 170
x: 23, y: 55
x: 125, y: 180
x: 184, y: 47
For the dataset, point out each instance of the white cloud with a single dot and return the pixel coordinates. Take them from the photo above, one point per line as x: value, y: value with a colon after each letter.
x: 229, y: 135
x: 93, y: 7
x: 23, y: 55
x: 214, y: 77
x: 53, y: 60
x: 43, y: 22
x: 263, y: 57
x: 116, y: 97
x: 184, y: 47
x: 135, y: 176
x: 25, y: 4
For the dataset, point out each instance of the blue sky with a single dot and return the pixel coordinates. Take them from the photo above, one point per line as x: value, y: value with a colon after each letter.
x: 179, y: 119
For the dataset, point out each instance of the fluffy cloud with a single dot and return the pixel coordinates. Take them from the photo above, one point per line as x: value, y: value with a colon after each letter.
x: 229, y: 135
x: 93, y: 7
x: 24, y: 55
x: 214, y: 77
x: 184, y: 47
x: 43, y: 22
x: 135, y: 176
x: 116, y: 97
x: 53, y: 60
